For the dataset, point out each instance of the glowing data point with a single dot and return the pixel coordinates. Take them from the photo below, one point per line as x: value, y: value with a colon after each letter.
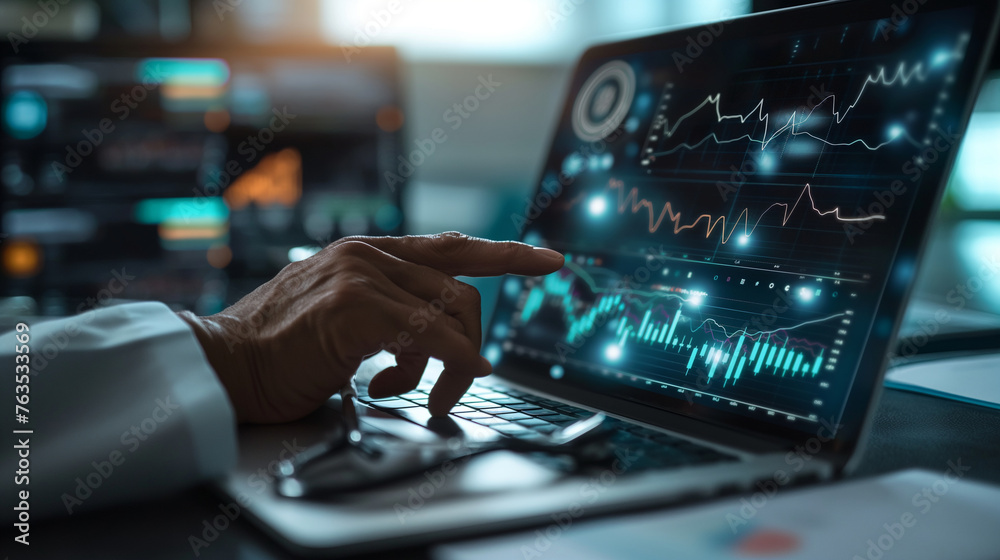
x: 613, y: 352
x: 805, y: 294
x: 597, y: 206
x: 695, y: 300
x: 493, y: 353
x: 744, y: 239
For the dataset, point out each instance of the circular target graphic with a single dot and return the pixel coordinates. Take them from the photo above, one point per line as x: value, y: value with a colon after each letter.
x: 603, y: 101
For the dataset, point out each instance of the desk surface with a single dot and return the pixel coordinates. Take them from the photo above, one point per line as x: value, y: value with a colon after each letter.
x: 910, y: 430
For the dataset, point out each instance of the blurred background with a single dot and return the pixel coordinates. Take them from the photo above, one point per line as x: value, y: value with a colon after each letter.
x: 186, y: 150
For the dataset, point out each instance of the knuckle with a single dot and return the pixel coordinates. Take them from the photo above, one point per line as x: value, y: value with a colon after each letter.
x: 354, y: 290
x: 355, y: 248
x: 450, y: 243
x: 469, y: 295
x: 510, y: 249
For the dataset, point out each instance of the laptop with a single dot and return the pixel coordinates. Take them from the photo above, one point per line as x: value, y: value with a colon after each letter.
x: 742, y: 206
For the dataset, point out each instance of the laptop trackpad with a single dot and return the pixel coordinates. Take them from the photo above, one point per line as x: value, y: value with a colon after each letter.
x: 496, y: 471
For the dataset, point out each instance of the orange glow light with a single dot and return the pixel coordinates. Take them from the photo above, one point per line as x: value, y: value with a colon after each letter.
x: 277, y: 179
x: 22, y: 258
x: 217, y: 120
x: 220, y: 256
x: 389, y: 118
x: 173, y: 232
x: 180, y: 92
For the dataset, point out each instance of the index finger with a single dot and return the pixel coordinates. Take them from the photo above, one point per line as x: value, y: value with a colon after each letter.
x: 461, y: 255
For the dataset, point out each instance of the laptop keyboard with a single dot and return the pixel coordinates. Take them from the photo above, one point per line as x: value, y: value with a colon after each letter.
x: 523, y: 415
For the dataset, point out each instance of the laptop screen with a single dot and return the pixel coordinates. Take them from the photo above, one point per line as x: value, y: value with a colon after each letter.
x: 731, y: 205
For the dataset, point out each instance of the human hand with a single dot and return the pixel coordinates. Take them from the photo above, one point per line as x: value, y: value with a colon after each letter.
x: 285, y: 348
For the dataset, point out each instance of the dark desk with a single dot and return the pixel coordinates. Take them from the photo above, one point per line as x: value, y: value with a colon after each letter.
x: 910, y: 431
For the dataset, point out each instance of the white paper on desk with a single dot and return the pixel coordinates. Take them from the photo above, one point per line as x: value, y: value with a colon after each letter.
x: 972, y: 379
x: 849, y: 520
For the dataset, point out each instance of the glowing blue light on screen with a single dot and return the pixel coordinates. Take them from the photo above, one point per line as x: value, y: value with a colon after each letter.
x: 597, y: 206
x: 493, y: 353
x: 940, y: 57
x: 26, y: 114
x: 631, y: 124
x: 767, y: 162
x: 694, y: 300
x: 188, y: 71
x: 532, y: 238
x: 573, y: 164
x: 557, y: 372
x: 613, y: 352
x: 895, y: 131
x: 642, y: 102
x: 975, y: 184
x: 500, y: 330
x: 743, y: 240
x: 512, y: 287
x: 805, y: 294
x: 607, y: 160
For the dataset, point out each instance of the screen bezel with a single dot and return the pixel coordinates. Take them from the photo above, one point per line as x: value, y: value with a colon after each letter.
x: 734, y: 428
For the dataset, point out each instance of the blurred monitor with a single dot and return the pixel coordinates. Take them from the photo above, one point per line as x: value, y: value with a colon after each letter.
x: 198, y: 171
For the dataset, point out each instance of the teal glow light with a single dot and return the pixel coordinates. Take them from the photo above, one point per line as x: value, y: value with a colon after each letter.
x: 493, y: 353
x: 159, y: 210
x: 25, y: 114
x: 597, y: 206
x: 186, y: 71
x: 975, y: 184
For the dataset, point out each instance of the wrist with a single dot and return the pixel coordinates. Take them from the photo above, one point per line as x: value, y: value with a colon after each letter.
x: 211, y: 336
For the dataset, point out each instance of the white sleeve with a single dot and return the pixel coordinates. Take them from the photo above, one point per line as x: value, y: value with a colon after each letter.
x: 123, y: 406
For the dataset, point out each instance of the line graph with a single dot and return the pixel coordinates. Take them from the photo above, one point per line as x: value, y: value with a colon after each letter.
x: 631, y: 202
x: 728, y: 245
x: 684, y: 329
x: 792, y: 125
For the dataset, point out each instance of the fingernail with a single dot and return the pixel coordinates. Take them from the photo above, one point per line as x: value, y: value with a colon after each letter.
x: 440, y: 414
x: 549, y: 253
